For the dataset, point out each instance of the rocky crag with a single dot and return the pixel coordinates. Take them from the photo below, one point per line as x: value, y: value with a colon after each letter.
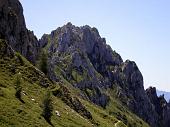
x: 80, y: 57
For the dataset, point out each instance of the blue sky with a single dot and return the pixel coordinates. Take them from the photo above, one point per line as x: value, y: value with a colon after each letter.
x: 138, y: 30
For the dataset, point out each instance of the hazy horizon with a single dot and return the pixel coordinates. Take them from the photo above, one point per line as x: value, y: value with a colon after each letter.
x: 137, y: 30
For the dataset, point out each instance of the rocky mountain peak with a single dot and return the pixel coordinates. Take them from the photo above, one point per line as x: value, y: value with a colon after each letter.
x: 84, y: 44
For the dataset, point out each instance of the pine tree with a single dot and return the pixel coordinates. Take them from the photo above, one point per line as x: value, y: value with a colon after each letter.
x: 47, y: 108
x: 18, y: 87
x: 43, y: 62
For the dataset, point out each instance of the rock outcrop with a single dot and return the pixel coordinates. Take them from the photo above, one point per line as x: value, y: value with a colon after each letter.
x: 72, y: 102
x: 13, y: 29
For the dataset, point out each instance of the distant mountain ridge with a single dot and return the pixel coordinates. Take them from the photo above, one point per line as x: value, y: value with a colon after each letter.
x: 166, y: 94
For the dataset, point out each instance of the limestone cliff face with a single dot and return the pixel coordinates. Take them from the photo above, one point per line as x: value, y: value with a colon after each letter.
x: 13, y: 29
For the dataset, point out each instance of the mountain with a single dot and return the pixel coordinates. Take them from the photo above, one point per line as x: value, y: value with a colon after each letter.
x: 70, y: 77
x: 80, y: 56
x: 166, y: 94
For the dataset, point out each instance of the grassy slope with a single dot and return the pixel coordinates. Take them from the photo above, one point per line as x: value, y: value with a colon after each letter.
x: 15, y: 113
